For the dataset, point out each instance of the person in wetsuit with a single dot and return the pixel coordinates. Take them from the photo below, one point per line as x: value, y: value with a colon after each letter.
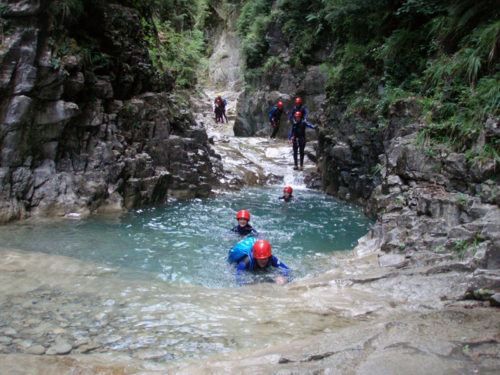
x: 220, y: 104
x: 298, y: 108
x: 275, y: 118
x: 287, y: 194
x: 297, y: 137
x: 244, y: 228
x: 256, y: 256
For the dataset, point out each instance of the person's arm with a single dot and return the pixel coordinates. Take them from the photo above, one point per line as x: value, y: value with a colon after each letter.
x: 255, y: 233
x: 292, y: 130
x: 309, y: 124
x: 240, y: 269
x: 291, y: 114
x: 271, y: 113
x: 285, y: 271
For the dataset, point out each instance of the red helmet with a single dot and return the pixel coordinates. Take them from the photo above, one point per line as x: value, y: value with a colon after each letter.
x: 243, y: 215
x: 280, y: 105
x: 288, y: 189
x: 298, y: 101
x: 298, y: 114
x: 261, y: 249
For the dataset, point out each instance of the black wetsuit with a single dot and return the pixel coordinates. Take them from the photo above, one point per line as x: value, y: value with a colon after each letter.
x: 298, y: 137
x: 275, y: 119
x: 245, y: 231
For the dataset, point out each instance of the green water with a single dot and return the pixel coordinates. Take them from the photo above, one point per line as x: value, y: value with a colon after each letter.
x: 186, y: 242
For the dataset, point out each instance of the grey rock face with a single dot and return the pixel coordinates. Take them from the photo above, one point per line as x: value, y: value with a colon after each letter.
x: 69, y: 145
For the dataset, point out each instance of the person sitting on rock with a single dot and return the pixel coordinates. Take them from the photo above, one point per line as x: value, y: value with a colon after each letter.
x: 244, y: 228
x: 253, y: 255
x: 298, y: 108
x: 275, y: 118
x: 287, y: 194
x: 297, y: 137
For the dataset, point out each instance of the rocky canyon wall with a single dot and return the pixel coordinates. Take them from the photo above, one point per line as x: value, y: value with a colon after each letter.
x: 88, y: 125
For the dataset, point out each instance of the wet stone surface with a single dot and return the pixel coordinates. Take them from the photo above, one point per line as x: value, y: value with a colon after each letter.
x: 52, y: 322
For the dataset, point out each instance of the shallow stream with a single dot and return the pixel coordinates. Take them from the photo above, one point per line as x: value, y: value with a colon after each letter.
x: 153, y: 284
x: 186, y: 241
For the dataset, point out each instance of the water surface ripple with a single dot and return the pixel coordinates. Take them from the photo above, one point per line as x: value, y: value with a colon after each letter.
x: 186, y: 242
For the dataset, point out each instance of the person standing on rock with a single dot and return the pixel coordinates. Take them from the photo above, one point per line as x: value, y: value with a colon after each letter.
x: 275, y: 118
x: 298, y: 108
x: 220, y: 104
x: 297, y: 137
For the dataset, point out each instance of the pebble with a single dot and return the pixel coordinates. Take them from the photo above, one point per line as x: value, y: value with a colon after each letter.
x: 36, y: 349
x: 5, y: 339
x: 9, y: 332
x: 59, y: 348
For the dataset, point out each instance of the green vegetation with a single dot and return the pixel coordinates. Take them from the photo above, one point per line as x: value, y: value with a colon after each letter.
x: 443, y: 53
x: 173, y: 31
x: 175, y: 36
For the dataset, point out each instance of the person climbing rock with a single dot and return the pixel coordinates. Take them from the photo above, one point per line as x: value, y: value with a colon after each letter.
x: 297, y: 137
x: 298, y: 108
x: 287, y: 194
x: 253, y: 255
x: 220, y: 104
x: 275, y: 118
x: 244, y: 228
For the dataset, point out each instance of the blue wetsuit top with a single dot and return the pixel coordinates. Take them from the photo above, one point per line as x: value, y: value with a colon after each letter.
x: 275, y: 113
x: 299, y: 109
x: 245, y: 264
x: 244, y: 231
x: 290, y: 199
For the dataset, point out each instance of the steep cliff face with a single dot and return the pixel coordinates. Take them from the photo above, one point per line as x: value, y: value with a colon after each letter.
x: 87, y: 124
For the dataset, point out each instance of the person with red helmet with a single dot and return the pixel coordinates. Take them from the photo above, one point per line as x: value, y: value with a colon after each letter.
x: 252, y: 254
x: 298, y: 108
x: 244, y: 228
x: 297, y: 137
x: 275, y: 118
x: 287, y: 194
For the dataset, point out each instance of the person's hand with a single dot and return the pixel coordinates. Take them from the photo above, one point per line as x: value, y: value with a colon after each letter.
x: 280, y: 280
x: 270, y: 123
x: 288, y: 121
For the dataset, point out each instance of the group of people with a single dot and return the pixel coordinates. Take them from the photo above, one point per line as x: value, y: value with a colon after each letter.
x: 254, y: 254
x: 297, y: 117
x: 297, y: 136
